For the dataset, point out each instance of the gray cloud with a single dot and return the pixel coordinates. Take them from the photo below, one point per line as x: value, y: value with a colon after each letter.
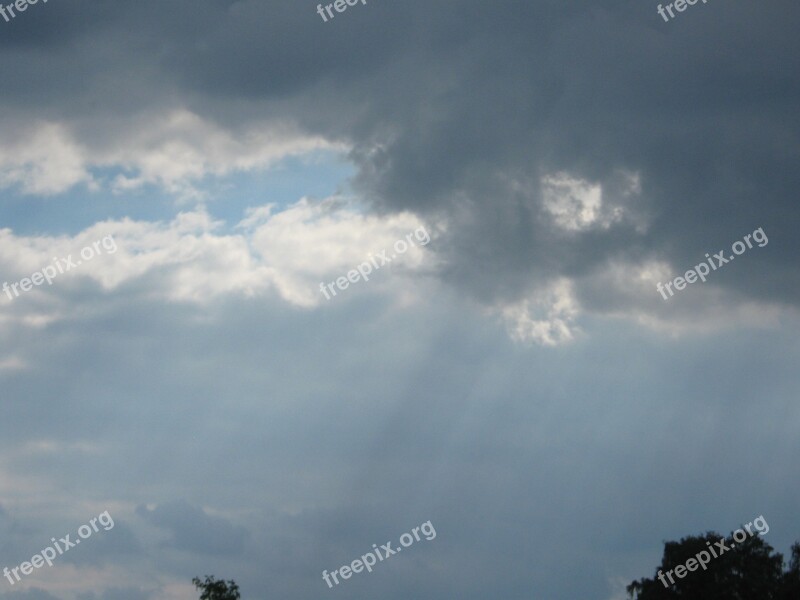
x: 527, y: 462
x: 32, y: 594
x: 118, y: 594
x: 195, y: 531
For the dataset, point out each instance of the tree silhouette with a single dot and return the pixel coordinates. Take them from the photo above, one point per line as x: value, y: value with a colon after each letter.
x: 748, y: 570
x: 217, y: 590
x: 791, y: 579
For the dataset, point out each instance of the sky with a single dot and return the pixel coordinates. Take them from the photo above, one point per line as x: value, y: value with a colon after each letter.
x: 195, y: 184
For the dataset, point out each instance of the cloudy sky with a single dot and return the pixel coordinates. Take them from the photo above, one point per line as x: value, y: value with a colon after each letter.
x: 516, y: 379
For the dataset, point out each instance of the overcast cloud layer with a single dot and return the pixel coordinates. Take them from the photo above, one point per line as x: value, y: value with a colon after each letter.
x: 516, y: 378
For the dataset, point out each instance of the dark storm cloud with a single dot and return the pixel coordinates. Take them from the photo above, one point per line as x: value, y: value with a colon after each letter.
x: 447, y: 103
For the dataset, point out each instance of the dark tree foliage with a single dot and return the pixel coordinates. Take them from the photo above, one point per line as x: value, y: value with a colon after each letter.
x: 216, y: 590
x: 791, y: 579
x: 751, y: 570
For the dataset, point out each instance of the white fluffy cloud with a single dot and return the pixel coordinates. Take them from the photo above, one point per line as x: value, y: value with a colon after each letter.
x: 289, y: 253
x: 575, y: 204
x: 174, y: 150
x: 545, y: 317
x: 43, y: 159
